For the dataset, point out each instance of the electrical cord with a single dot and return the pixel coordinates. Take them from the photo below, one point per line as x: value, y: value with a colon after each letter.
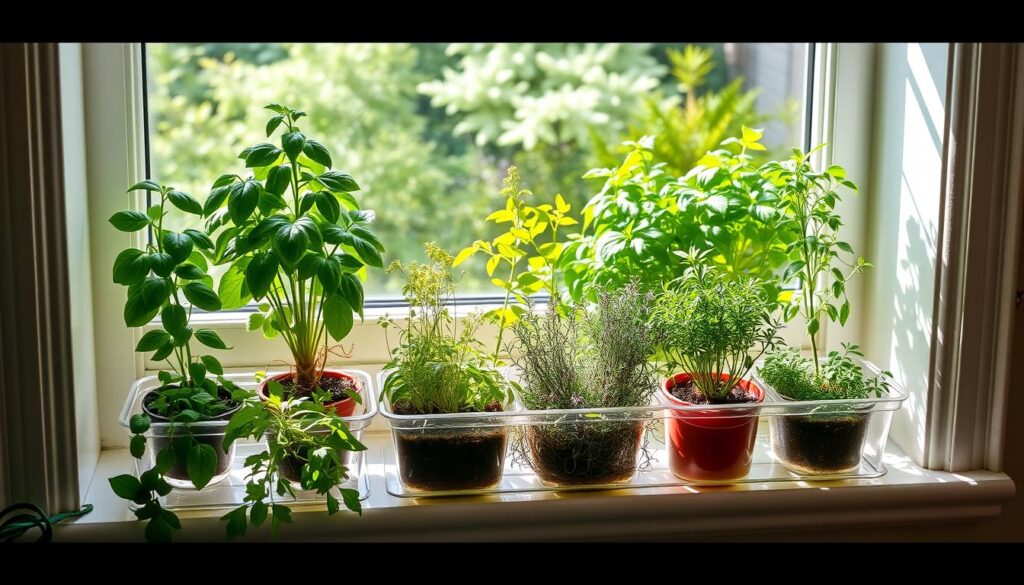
x: 19, y: 524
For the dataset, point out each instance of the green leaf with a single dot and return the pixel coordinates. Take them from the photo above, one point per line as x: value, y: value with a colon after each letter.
x: 351, y: 290
x: 282, y: 515
x: 260, y: 155
x: 137, y: 446
x: 329, y: 274
x: 367, y: 252
x: 144, y: 300
x: 138, y: 423
x: 232, y: 290
x: 338, y: 181
x: 836, y: 171
x: 212, y: 365
x: 243, y: 201
x: 337, y: 317
x: 223, y: 180
x: 131, y: 267
x: 290, y: 241
x: 258, y: 514
x: 202, y: 296
x: 328, y: 205
x: 197, y: 371
x: 152, y: 340
x: 179, y: 246
x: 216, y: 197
x: 163, y: 351
x: 189, y: 272
x: 125, y: 486
x: 792, y: 270
x: 845, y: 247
x: 260, y: 274
x: 201, y: 465
x: 236, y: 521
x: 844, y: 313
x: 812, y: 326
x: 185, y: 202
x: 164, y: 460
x: 129, y: 221
x: 209, y: 338
x: 254, y: 322
x: 174, y: 320
x: 273, y: 123
x: 158, y: 530
x: 202, y: 240
x: 293, y: 143
x: 278, y: 179
x: 162, y: 263
x: 146, y: 185
x: 351, y: 498
x: 317, y: 152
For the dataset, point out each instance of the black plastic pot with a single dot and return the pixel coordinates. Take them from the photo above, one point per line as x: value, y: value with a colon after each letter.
x: 585, y: 453
x: 451, y: 459
x: 199, y: 432
x: 818, y: 444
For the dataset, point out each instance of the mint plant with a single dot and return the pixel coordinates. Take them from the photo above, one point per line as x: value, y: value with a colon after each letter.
x: 171, y: 269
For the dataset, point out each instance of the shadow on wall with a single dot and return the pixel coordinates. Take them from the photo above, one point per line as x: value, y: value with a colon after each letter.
x: 904, y: 216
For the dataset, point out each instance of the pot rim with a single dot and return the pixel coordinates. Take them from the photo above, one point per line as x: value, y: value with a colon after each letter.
x: 752, y: 386
x: 262, y: 387
x: 158, y: 418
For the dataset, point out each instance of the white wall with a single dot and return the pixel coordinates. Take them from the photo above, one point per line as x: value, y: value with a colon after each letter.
x: 903, y: 216
x: 80, y: 281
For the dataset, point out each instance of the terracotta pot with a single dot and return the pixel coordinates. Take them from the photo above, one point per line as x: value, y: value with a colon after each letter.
x: 710, y: 445
x: 344, y: 407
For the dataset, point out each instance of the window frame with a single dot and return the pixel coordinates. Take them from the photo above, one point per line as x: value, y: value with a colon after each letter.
x: 115, y: 88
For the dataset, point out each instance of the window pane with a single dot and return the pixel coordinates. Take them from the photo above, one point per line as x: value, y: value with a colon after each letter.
x: 428, y: 129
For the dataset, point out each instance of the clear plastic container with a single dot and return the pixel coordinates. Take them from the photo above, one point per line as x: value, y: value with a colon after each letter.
x: 525, y: 470
x: 832, y: 437
x: 227, y: 488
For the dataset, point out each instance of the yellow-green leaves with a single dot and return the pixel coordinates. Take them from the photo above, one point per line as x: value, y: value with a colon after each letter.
x: 751, y: 137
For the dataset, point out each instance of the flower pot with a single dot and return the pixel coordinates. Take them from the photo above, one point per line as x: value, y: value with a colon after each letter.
x: 344, y: 407
x: 584, y: 453
x: 164, y: 433
x: 712, y: 444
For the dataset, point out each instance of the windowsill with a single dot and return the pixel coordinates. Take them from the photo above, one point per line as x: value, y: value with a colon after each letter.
x: 906, y: 494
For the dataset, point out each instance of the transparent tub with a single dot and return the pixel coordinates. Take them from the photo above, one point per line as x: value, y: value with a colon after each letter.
x: 227, y: 488
x: 643, y: 447
x: 832, y: 437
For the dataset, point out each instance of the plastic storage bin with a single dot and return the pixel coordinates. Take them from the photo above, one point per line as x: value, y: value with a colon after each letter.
x: 227, y: 488
x: 832, y: 437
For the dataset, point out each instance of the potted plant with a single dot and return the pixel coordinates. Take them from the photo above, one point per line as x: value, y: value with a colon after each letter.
x: 438, y: 368
x: 307, y: 444
x: 832, y: 438
x: 295, y: 238
x: 580, y: 359
x: 711, y: 323
x: 182, y: 421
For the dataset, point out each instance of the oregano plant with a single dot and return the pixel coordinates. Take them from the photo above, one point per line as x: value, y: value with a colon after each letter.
x: 167, y: 280
x: 523, y: 260
x: 295, y: 238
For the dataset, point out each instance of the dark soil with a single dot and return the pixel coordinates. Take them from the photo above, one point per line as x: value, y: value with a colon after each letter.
x: 585, y: 453
x: 451, y: 459
x: 820, y: 443
x: 161, y: 441
x: 687, y: 392
x: 338, y: 387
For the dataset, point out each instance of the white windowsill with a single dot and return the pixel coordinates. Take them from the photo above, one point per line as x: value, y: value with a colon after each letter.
x: 906, y: 494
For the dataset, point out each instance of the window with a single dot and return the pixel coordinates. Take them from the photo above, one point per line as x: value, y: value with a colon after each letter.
x: 428, y: 129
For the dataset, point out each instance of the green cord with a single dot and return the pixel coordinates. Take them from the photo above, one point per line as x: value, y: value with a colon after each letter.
x: 17, y: 525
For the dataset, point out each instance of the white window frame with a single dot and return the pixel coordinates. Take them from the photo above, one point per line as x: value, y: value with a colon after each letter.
x: 840, y: 116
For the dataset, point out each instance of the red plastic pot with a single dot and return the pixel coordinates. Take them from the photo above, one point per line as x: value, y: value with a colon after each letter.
x: 344, y: 407
x: 710, y: 445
